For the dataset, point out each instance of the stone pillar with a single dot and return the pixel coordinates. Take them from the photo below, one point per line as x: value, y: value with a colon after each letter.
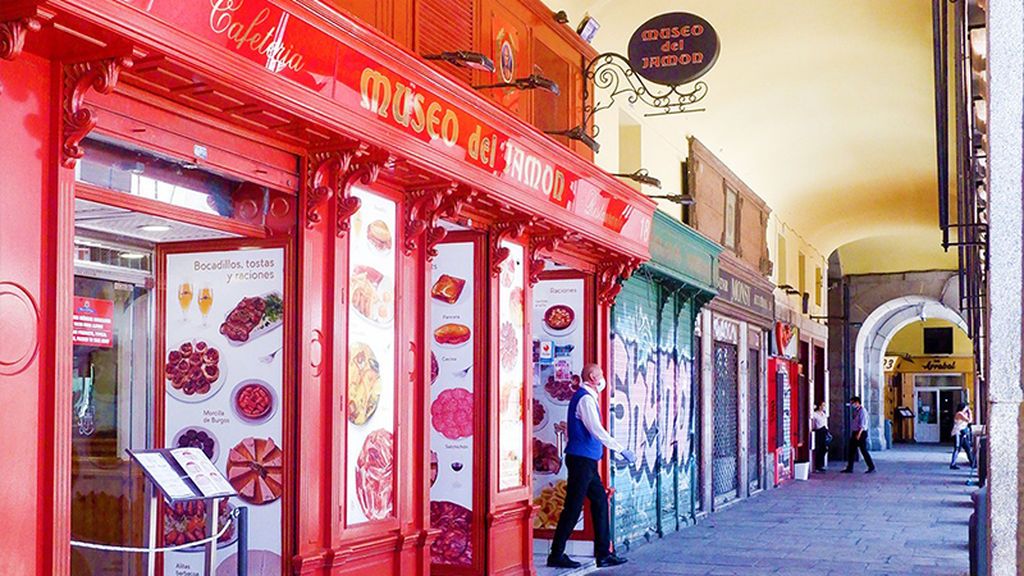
x: 1005, y: 148
x: 707, y: 431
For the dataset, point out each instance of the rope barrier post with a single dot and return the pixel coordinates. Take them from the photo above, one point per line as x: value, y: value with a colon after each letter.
x: 243, y: 540
x: 154, y: 506
x: 213, y: 511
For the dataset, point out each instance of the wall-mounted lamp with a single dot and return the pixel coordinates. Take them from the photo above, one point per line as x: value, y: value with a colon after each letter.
x: 561, y: 17
x: 681, y: 199
x: 588, y: 28
x: 531, y: 82
x: 642, y: 176
x: 578, y: 134
x: 464, y: 59
x: 789, y: 289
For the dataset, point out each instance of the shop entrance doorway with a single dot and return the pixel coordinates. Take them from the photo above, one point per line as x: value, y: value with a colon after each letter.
x: 177, y: 341
x: 935, y: 410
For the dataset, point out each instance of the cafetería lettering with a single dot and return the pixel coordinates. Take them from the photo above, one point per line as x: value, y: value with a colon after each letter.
x: 251, y: 32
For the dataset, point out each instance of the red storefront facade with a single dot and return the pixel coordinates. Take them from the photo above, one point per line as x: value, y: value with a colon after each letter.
x: 332, y: 175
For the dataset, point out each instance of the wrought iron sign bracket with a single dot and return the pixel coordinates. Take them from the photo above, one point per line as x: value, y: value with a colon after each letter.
x: 612, y: 72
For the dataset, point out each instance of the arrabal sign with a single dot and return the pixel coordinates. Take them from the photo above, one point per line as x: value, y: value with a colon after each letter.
x: 674, y: 48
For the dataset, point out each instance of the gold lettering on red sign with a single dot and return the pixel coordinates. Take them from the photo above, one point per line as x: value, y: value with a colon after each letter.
x: 269, y: 42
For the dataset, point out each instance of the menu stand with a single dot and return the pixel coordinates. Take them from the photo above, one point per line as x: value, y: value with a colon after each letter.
x: 184, y: 475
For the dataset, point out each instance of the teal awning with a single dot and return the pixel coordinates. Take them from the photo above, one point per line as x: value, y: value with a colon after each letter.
x: 682, y: 254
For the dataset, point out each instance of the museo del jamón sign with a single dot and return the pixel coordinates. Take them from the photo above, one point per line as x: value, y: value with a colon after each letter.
x: 674, y: 48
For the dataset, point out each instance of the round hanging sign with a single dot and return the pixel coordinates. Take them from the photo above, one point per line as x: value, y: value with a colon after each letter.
x: 674, y: 48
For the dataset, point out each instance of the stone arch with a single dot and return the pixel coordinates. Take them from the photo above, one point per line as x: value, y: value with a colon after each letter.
x: 873, y: 339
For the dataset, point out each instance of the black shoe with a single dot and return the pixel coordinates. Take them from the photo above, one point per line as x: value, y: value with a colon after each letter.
x: 869, y: 471
x: 611, y: 560
x: 954, y: 467
x: 847, y: 470
x: 563, y: 561
x: 821, y: 470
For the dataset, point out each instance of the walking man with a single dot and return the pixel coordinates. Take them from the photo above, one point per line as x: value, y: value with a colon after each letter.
x: 583, y: 452
x: 858, y: 436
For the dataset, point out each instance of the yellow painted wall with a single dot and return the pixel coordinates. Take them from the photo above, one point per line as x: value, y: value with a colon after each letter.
x: 910, y: 340
x: 788, y: 273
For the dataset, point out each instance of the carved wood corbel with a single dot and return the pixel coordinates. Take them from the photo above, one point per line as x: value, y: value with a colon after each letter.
x: 364, y: 168
x: 325, y: 167
x: 13, y: 33
x: 450, y: 209
x: 422, y: 212
x: 500, y: 232
x: 610, y: 276
x: 543, y: 243
x: 102, y: 76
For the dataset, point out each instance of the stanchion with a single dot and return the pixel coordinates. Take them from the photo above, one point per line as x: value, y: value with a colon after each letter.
x: 243, y: 540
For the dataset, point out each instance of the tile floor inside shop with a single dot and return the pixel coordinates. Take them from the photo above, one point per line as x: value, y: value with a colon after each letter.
x: 907, y: 519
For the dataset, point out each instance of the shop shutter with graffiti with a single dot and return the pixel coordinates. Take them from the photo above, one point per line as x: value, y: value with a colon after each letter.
x: 651, y: 410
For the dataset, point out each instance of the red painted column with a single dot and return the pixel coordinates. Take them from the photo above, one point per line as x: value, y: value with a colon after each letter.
x: 29, y: 243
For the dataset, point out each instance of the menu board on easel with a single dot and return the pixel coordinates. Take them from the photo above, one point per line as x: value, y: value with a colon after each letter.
x: 223, y: 376
x: 183, y: 474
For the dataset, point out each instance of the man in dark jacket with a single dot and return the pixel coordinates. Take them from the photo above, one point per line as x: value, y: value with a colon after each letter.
x: 858, y: 436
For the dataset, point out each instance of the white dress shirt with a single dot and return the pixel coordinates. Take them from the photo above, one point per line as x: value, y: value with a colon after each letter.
x: 819, y: 419
x: 587, y: 412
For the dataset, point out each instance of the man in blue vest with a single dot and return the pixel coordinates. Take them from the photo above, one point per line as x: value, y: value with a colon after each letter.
x: 583, y: 453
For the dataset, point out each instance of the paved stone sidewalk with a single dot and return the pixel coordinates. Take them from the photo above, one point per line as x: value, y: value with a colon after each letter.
x: 909, y: 518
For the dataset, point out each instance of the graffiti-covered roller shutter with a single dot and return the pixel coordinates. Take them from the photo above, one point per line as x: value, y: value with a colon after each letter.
x: 684, y: 414
x: 725, y: 421
x: 635, y: 409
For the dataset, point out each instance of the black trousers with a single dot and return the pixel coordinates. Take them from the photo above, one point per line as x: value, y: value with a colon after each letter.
x: 584, y: 481
x: 820, y: 447
x: 861, y: 444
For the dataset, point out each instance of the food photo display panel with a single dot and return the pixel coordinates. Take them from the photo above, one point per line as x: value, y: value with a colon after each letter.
x: 370, y: 450
x: 558, y: 332
x: 223, y: 376
x: 452, y: 408
x: 511, y: 342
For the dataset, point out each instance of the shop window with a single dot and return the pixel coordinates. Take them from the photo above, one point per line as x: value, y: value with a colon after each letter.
x: 512, y: 379
x: 729, y: 234
x: 801, y: 272
x: 372, y: 361
x: 781, y: 276
x: 819, y: 286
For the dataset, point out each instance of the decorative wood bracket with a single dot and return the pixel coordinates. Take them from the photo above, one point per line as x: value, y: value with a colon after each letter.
x: 609, y: 278
x: 364, y: 167
x: 324, y: 166
x: 101, y: 76
x: 13, y: 33
x: 499, y: 233
x: 543, y: 243
x: 422, y: 212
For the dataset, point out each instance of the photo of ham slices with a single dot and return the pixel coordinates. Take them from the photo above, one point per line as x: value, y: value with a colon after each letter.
x: 375, y: 475
x: 255, y: 469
